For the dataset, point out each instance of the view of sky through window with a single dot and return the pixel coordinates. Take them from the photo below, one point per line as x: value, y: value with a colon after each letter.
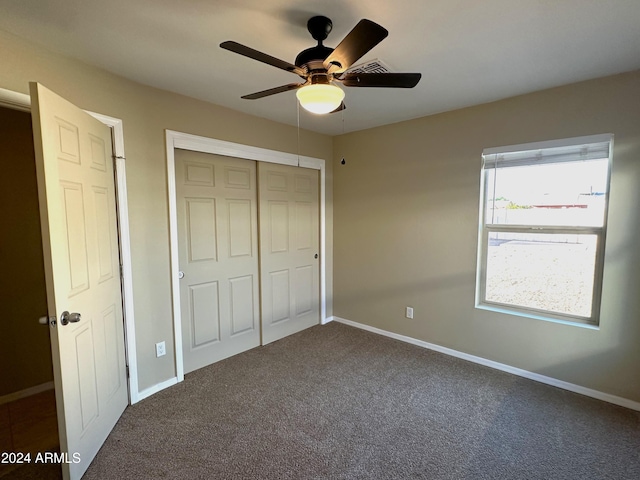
x: 570, y: 193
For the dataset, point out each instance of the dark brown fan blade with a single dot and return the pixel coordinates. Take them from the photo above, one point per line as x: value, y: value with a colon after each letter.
x: 272, y: 91
x: 388, y: 80
x: 263, y: 57
x: 364, y: 36
x: 341, y: 107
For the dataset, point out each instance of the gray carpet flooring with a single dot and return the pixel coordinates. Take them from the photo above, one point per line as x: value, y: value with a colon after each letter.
x: 335, y: 402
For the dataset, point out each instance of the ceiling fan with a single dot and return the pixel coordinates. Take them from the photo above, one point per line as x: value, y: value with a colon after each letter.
x: 321, y: 67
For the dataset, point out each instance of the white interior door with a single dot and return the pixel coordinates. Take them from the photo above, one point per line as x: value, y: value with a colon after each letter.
x: 289, y: 249
x: 76, y: 192
x: 216, y: 199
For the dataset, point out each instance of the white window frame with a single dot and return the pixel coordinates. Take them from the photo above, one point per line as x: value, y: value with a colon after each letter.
x: 554, y: 151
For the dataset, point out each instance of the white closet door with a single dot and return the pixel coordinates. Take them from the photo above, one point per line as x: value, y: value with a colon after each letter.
x: 218, y: 255
x: 289, y: 250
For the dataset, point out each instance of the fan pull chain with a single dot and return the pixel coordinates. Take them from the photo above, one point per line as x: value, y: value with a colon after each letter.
x: 343, y: 161
x: 298, y: 109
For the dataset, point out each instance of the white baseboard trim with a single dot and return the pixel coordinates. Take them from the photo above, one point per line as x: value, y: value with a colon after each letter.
x: 156, y: 388
x: 27, y: 392
x: 623, y: 402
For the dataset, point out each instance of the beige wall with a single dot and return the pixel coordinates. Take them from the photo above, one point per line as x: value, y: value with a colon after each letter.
x: 406, y: 224
x: 25, y: 354
x: 146, y: 112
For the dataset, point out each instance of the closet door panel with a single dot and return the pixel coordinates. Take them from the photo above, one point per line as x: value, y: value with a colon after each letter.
x: 216, y: 199
x: 289, y: 249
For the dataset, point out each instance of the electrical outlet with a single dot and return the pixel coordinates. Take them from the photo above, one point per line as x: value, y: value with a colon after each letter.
x: 161, y: 349
x: 409, y: 312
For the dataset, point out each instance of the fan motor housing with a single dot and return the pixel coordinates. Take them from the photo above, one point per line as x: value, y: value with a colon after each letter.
x: 317, y: 53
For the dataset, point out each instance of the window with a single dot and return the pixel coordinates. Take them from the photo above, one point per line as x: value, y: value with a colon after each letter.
x: 543, y: 212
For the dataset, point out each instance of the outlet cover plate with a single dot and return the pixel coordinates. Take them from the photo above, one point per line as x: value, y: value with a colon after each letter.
x: 161, y: 349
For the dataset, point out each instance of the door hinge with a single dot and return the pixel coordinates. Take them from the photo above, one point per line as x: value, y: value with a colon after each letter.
x: 127, y: 371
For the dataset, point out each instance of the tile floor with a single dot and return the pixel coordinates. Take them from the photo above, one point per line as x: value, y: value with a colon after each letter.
x: 28, y: 425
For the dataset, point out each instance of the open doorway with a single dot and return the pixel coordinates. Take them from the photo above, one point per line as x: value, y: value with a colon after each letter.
x: 110, y: 183
x: 28, y: 420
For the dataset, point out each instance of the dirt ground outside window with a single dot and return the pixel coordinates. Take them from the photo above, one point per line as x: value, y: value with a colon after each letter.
x: 556, y: 277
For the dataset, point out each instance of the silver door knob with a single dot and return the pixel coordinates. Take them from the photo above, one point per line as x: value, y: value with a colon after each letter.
x: 67, y: 317
x: 180, y: 274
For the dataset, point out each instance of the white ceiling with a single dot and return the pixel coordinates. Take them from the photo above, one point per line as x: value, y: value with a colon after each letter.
x: 468, y: 51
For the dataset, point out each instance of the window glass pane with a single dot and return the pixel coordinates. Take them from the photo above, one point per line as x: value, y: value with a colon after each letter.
x: 553, y: 272
x: 570, y: 194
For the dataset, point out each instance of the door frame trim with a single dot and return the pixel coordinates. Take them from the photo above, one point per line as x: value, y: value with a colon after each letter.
x: 196, y: 143
x: 22, y: 102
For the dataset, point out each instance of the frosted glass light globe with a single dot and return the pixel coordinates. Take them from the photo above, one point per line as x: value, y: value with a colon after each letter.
x: 320, y: 98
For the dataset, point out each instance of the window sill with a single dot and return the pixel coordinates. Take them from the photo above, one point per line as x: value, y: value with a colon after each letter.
x: 535, y: 316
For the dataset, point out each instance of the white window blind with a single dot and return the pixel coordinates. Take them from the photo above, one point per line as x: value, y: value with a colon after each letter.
x: 574, y: 149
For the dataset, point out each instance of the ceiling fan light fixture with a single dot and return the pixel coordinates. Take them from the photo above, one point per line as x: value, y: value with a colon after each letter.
x: 320, y: 98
